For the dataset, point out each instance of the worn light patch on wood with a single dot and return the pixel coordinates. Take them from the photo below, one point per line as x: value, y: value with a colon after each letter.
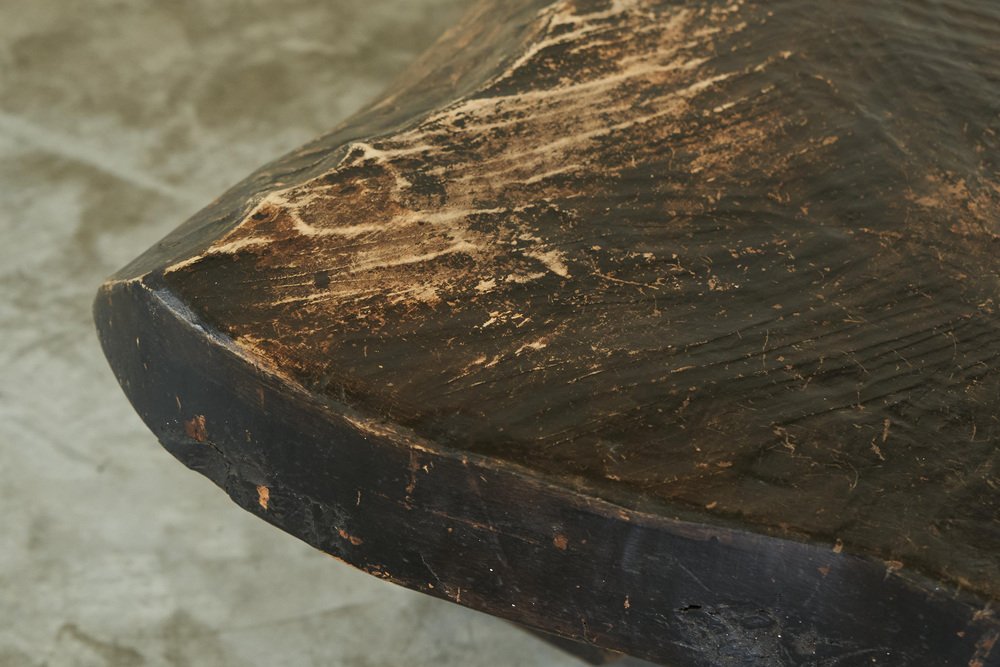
x: 734, y: 262
x: 195, y: 428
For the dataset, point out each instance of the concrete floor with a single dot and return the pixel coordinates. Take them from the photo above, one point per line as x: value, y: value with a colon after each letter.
x: 118, y: 119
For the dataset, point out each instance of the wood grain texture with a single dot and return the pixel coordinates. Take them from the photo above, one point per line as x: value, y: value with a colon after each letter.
x: 725, y: 271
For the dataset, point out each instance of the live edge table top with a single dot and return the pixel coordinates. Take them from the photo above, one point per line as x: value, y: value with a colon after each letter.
x: 725, y: 265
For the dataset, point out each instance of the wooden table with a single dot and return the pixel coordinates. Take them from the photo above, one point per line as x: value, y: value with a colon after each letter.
x: 666, y: 327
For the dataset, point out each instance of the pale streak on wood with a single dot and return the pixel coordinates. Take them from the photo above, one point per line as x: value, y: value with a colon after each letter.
x: 585, y: 95
x: 365, y: 225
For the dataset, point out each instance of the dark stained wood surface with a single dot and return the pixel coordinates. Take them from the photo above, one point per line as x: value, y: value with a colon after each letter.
x: 695, y: 303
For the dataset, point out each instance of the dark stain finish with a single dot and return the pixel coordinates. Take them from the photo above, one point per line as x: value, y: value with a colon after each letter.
x: 682, y: 314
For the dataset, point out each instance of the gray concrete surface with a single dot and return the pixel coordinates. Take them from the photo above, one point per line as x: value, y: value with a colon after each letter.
x: 118, y: 119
